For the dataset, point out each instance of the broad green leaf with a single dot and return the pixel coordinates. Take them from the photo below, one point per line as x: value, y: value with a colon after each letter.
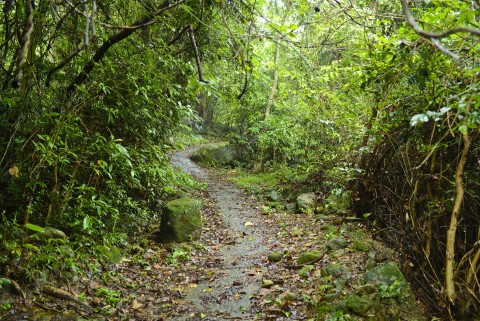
x: 418, y: 118
x: 34, y: 227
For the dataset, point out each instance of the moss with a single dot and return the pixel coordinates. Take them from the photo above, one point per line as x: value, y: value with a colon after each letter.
x: 306, y: 257
x: 275, y: 257
x: 360, y: 245
x: 181, y: 221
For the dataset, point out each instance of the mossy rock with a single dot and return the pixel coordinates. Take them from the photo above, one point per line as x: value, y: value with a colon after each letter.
x: 275, y: 257
x: 337, y: 243
x: 333, y: 270
x: 359, y: 245
x: 358, y: 305
x: 181, y: 221
x: 391, y: 282
x: 215, y: 155
x: 307, y: 257
x: 306, y: 202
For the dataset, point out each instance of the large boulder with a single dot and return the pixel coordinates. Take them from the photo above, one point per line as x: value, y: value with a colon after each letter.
x: 181, y: 221
x: 306, y: 202
x: 215, y: 155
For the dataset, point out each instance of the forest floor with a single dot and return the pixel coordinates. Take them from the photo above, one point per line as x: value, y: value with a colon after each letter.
x: 226, y: 275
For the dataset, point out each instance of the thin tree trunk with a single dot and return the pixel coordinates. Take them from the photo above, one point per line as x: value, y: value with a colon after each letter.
x: 452, y: 230
x: 268, y: 108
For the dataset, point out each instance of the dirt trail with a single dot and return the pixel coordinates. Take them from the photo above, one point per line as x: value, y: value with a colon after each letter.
x: 228, y: 296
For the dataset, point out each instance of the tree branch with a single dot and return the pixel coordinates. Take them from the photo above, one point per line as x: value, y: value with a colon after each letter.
x: 197, y: 55
x: 63, y: 63
x: 436, y: 35
x: 100, y: 53
x: 24, y: 43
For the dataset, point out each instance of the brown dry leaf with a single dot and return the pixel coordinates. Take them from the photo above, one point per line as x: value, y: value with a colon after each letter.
x: 136, y: 305
x: 14, y: 172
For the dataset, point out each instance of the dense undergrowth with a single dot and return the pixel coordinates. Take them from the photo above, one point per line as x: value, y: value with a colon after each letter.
x: 330, y: 96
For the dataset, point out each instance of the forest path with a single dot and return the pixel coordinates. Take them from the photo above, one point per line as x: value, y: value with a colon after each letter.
x: 227, y: 296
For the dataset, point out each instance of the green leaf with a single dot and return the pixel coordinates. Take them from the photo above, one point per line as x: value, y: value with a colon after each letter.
x: 418, y: 118
x: 463, y: 129
x: 35, y: 228
x: 86, y: 222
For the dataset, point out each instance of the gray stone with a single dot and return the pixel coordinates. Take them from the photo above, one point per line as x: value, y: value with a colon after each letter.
x: 306, y: 201
x: 337, y: 243
x: 181, y: 221
x: 273, y: 196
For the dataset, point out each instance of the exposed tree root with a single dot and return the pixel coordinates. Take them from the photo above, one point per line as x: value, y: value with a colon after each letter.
x: 64, y: 295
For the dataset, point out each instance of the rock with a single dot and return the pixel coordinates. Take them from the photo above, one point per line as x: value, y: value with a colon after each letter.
x: 333, y: 270
x: 290, y: 207
x: 337, y: 220
x: 358, y: 305
x: 288, y: 296
x: 181, y: 221
x: 275, y: 257
x: 340, y: 283
x: 360, y: 245
x: 337, y: 243
x: 307, y: 257
x: 215, y: 155
x: 273, y: 196
x: 391, y: 282
x: 267, y: 283
x: 306, y: 202
x: 305, y: 271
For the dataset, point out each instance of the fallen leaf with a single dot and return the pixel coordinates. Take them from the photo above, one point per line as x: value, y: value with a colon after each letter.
x: 249, y: 224
x: 136, y: 305
x: 13, y: 171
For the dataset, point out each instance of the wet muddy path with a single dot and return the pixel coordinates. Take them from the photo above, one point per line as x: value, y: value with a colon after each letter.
x: 228, y: 295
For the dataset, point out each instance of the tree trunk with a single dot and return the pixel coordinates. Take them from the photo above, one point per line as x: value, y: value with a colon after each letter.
x: 268, y: 108
x: 452, y: 230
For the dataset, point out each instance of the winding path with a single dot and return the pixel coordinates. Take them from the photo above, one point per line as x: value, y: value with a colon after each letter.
x: 228, y: 297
